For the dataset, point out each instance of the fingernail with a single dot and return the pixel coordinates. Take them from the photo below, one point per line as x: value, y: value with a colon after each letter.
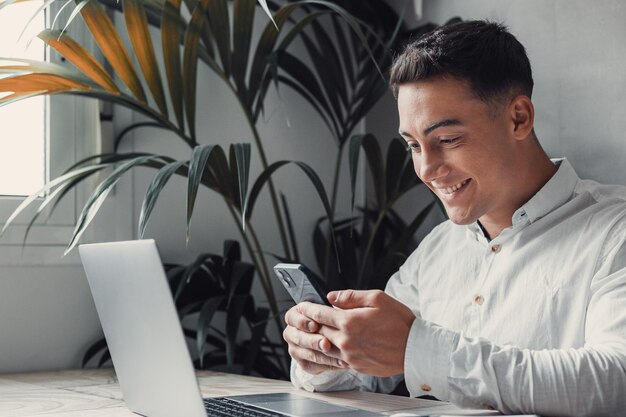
x: 337, y: 296
x: 321, y: 345
x: 341, y: 364
x: 311, y: 326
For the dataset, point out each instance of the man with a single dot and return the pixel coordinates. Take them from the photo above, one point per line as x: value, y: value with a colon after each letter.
x: 518, y: 302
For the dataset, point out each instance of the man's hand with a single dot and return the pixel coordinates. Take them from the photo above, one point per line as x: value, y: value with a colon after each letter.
x: 307, y: 347
x: 367, y: 331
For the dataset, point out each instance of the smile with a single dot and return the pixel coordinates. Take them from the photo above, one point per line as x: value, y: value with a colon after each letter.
x: 452, y: 189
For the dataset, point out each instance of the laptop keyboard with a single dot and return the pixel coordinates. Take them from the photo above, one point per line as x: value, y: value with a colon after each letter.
x: 225, y: 407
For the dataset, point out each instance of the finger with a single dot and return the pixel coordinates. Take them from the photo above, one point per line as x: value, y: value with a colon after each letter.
x: 320, y: 314
x: 315, y: 368
x: 312, y: 356
x: 295, y: 319
x: 335, y: 337
x: 347, y: 299
x: 306, y: 340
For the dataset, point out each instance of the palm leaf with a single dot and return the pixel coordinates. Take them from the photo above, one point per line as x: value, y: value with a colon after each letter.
x: 170, y: 38
x: 311, y: 175
x: 80, y: 57
x: 112, y: 47
x: 267, y: 11
x: 240, y: 171
x: 137, y: 26
x: 374, y: 157
x: 243, y: 23
x: 197, y: 164
x: 208, y: 310
x: 154, y: 190
x: 73, y: 15
x: 97, y: 198
x: 43, y: 192
x: 190, y: 63
x: 28, y: 83
x: 219, y: 21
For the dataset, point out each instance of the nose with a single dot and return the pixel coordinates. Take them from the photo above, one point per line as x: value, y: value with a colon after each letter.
x: 430, y: 165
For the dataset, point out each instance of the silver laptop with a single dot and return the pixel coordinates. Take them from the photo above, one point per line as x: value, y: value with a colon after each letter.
x: 148, y: 348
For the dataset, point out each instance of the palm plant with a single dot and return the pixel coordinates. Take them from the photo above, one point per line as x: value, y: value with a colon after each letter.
x: 207, y: 37
x: 342, y: 90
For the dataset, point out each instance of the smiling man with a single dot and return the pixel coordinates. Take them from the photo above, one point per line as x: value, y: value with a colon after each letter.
x: 518, y: 301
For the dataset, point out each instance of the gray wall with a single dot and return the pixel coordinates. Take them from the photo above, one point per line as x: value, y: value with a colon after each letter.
x: 577, y: 50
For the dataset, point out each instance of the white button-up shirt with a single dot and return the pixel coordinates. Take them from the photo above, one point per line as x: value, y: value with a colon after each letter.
x: 533, y: 321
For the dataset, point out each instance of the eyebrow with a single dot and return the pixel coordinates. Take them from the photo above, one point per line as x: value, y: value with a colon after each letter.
x: 437, y: 125
x: 442, y: 123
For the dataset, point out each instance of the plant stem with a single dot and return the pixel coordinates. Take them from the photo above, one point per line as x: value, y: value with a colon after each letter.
x: 261, y: 266
x: 333, y: 205
x: 370, y: 243
x: 264, y: 164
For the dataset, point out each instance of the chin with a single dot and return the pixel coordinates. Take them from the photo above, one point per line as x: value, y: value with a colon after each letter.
x: 460, y: 218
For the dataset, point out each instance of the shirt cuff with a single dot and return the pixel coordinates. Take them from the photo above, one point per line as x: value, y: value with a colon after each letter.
x: 326, y: 381
x: 427, y: 359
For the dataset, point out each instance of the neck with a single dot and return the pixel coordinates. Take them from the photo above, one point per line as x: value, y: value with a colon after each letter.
x: 532, y: 177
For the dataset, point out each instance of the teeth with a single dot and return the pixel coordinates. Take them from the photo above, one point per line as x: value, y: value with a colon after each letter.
x: 450, y: 190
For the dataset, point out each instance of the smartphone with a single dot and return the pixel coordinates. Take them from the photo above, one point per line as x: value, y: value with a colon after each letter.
x: 301, y: 283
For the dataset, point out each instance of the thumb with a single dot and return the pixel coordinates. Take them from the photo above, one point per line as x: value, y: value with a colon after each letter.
x: 347, y: 299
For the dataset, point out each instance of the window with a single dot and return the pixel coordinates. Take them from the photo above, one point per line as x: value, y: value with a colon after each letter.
x: 22, y: 148
x: 52, y: 132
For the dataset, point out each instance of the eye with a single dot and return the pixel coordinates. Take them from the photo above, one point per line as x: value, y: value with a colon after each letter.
x: 413, y: 147
x: 448, y: 141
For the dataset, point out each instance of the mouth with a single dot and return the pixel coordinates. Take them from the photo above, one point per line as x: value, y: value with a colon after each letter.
x: 453, y: 190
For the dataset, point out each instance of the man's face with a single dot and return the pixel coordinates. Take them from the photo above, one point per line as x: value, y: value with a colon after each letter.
x: 461, y: 148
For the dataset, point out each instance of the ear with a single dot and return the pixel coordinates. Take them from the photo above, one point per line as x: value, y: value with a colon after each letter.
x: 522, y: 116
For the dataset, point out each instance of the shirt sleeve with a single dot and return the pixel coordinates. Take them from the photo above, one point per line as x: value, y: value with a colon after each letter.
x: 473, y: 372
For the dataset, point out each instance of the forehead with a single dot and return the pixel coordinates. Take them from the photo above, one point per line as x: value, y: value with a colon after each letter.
x: 426, y: 102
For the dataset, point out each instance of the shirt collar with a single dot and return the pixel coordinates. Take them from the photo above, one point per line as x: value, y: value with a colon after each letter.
x: 556, y: 192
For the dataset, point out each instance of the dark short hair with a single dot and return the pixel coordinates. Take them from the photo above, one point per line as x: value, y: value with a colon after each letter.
x: 484, y: 54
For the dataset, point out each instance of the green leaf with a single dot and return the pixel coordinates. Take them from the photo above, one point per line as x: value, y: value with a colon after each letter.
x: 300, y: 72
x: 137, y: 26
x: 170, y: 38
x: 204, y: 321
x: 197, y: 164
x: 243, y: 23
x: 42, y: 192
x: 410, y: 230
x: 55, y: 196
x: 200, y: 263
x: 190, y: 63
x: 290, y: 230
x: 233, y: 318
x: 153, y: 192
x: 374, y: 158
x: 240, y: 160
x: 311, y: 175
x: 132, y: 127
x: 73, y: 15
x: 266, y: 9
x: 219, y: 21
x: 396, y: 162
x: 97, y: 198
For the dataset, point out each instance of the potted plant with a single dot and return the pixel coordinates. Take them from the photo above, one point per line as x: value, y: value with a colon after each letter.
x: 343, y: 84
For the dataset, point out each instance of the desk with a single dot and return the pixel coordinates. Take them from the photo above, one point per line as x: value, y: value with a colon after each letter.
x: 96, y: 393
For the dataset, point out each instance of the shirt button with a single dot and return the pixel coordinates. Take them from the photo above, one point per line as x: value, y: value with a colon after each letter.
x: 425, y: 387
x: 479, y: 299
x: 496, y: 248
